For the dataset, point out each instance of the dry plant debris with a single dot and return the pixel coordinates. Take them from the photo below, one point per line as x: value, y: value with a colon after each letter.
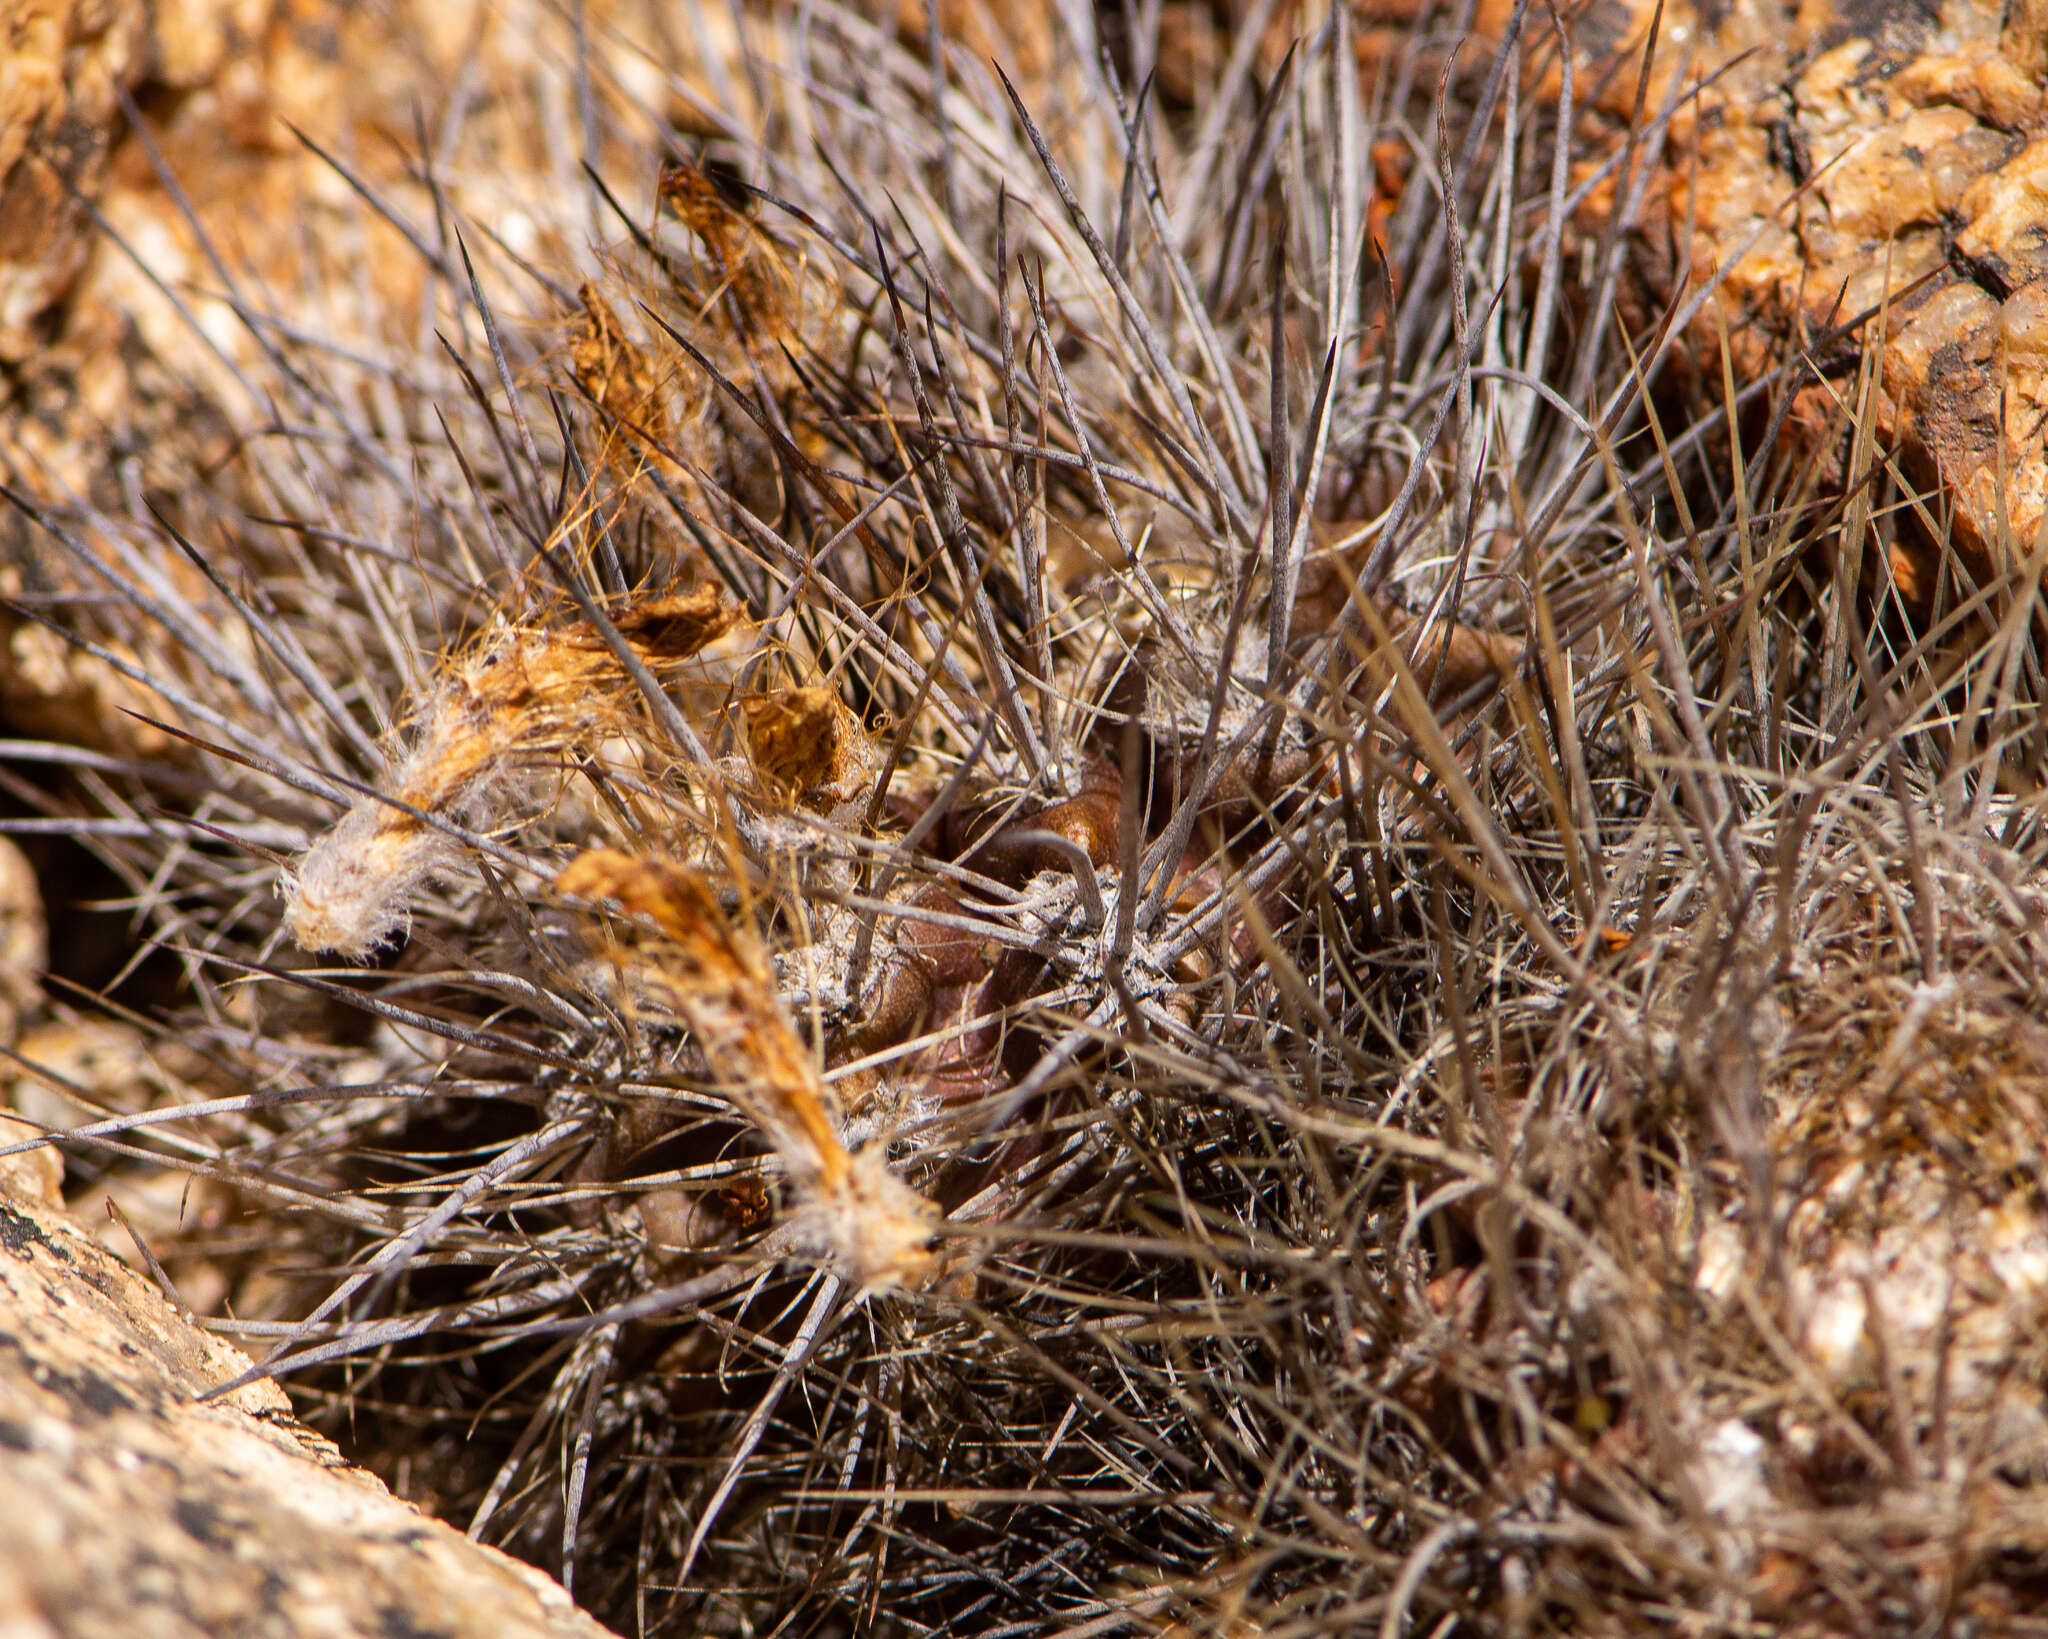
x: 1097, y: 852
x: 522, y: 698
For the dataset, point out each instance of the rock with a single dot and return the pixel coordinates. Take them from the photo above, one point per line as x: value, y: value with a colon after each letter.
x: 1835, y: 176
x: 35, y: 1176
x: 67, y: 387
x: 90, y: 1067
x: 130, y: 356
x: 135, y: 1507
x: 68, y: 63
x: 24, y: 940
x: 1878, y: 174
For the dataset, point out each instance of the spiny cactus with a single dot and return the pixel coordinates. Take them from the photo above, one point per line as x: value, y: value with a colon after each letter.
x: 1086, y: 882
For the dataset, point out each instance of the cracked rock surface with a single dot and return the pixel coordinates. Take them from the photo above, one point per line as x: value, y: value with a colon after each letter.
x: 134, y: 1507
x: 1875, y: 174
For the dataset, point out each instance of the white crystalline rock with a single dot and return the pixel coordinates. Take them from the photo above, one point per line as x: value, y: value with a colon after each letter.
x: 1907, y: 1279
x: 1981, y: 1277
x: 1908, y: 1270
x: 1721, y: 1257
x: 1728, y: 1471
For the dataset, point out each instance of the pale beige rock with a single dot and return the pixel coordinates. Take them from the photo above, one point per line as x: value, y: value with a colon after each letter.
x: 50, y: 689
x: 134, y: 1508
x: 35, y: 1176
x: 24, y: 939
x: 84, y: 1068
x: 72, y: 1069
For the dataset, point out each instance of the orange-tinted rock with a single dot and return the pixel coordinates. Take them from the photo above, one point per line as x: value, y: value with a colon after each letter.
x: 64, y: 65
x: 1883, y: 170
